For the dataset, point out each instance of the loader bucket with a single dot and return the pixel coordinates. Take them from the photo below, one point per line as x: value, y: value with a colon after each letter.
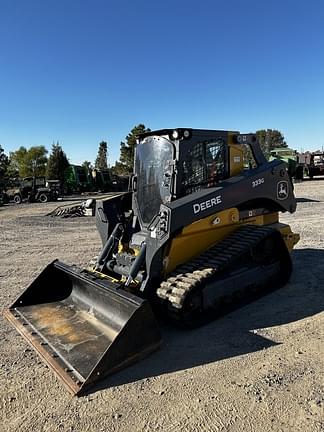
x: 83, y: 328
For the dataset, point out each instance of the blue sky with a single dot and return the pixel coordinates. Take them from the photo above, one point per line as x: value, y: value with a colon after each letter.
x: 82, y: 71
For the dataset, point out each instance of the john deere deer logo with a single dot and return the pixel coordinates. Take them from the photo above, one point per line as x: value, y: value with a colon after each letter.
x: 282, y: 190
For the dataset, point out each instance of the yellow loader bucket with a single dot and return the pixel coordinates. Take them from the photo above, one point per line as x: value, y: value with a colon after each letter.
x: 83, y: 328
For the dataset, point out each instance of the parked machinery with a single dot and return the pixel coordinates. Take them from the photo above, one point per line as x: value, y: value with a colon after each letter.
x: 316, y: 165
x: 290, y: 156
x: 32, y: 189
x: 77, y: 180
x: 197, y: 236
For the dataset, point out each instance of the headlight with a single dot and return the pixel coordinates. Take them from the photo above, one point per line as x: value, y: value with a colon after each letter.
x: 175, y: 134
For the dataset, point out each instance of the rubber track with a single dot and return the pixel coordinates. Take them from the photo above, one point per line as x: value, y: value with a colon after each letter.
x: 198, y: 271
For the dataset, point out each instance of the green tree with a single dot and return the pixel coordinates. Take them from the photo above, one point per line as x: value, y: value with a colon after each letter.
x: 270, y: 139
x: 87, y: 166
x: 4, y: 163
x: 89, y: 169
x: 127, y: 150
x: 101, y: 160
x: 57, y: 164
x: 120, y: 169
x: 11, y: 171
x: 30, y: 162
x: 17, y: 160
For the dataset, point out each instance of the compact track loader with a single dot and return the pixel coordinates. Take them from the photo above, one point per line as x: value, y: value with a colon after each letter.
x: 196, y: 236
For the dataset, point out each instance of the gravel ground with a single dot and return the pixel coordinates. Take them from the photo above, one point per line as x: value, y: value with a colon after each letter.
x: 259, y: 368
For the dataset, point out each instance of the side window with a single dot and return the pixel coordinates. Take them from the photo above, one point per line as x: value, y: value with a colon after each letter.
x: 204, y: 166
x: 28, y: 183
x: 40, y: 181
x: 193, y: 169
x: 215, y: 158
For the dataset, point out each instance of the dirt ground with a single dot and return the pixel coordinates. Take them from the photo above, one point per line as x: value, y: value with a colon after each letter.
x: 258, y: 369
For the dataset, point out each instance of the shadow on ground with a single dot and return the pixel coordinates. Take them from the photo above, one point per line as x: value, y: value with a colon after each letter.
x: 316, y: 178
x: 232, y: 335
x: 303, y: 200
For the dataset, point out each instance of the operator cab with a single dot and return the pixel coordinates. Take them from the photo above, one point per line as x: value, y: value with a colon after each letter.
x: 172, y: 163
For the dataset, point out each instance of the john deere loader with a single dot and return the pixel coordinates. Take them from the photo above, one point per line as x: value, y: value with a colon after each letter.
x: 196, y: 236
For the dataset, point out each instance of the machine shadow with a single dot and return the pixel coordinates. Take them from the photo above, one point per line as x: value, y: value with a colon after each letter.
x: 316, y: 178
x: 303, y: 200
x: 232, y: 335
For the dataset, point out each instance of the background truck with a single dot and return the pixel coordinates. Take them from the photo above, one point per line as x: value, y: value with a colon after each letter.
x: 316, y: 165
